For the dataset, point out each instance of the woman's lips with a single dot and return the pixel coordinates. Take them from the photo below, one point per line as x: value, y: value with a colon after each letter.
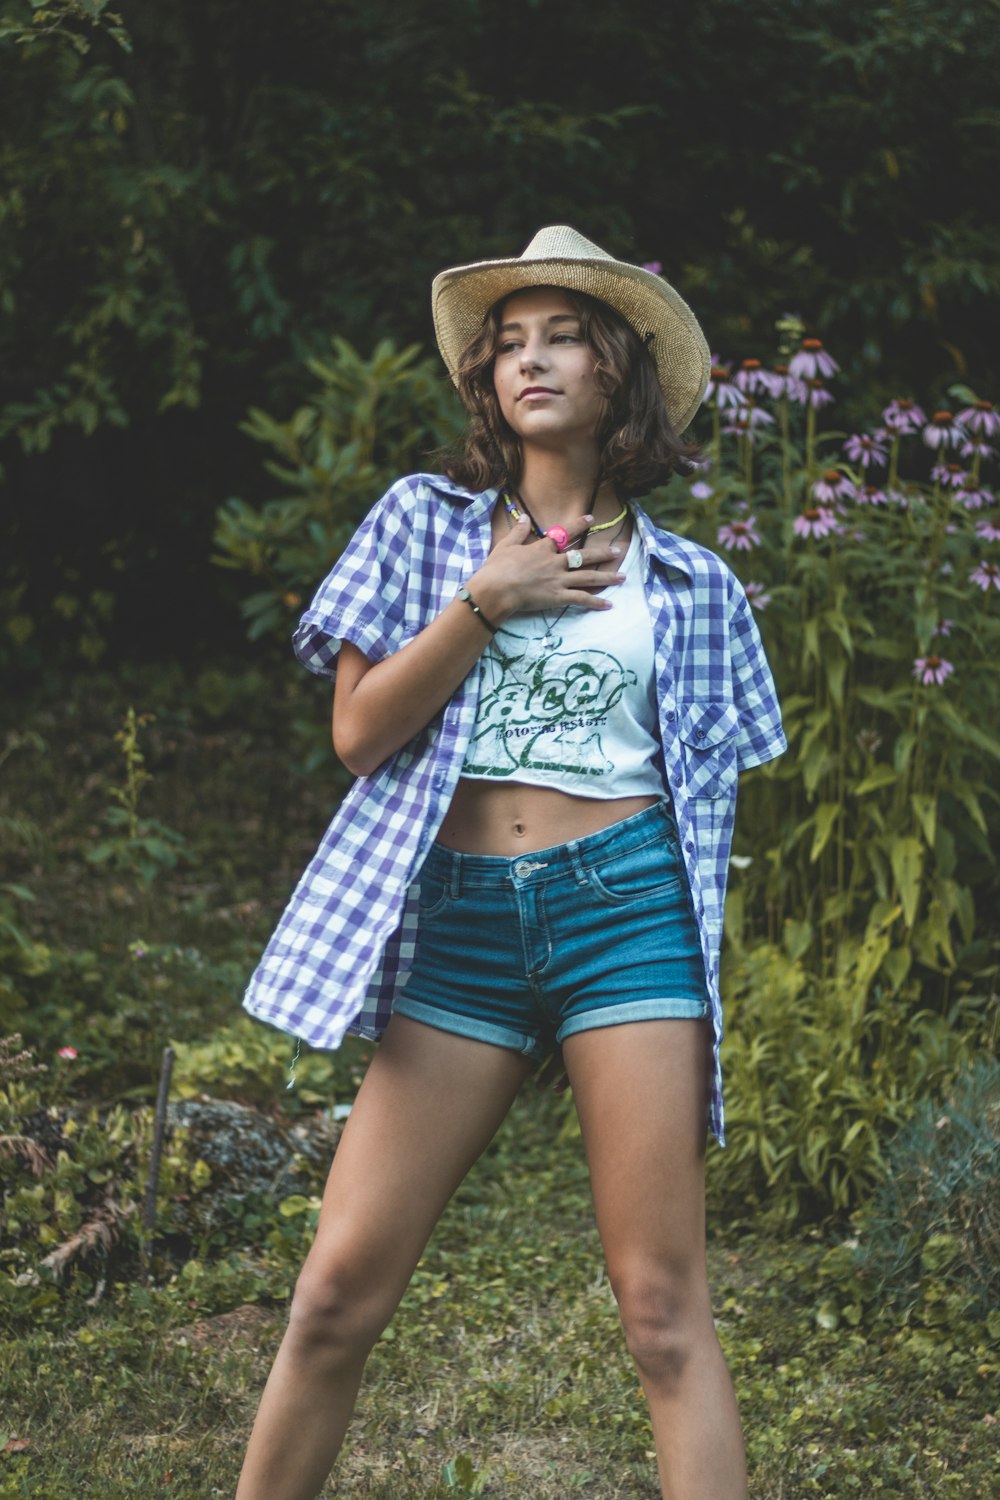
x: 536, y: 390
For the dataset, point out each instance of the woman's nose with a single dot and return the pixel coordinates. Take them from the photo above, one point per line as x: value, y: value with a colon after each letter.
x: 533, y: 354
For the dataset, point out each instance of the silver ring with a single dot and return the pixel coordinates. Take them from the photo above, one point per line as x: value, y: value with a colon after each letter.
x: 574, y: 558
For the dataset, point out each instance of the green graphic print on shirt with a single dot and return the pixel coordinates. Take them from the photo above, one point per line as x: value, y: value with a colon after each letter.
x: 544, y: 709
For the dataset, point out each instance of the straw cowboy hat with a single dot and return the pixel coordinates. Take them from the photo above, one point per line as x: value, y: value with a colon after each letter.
x: 559, y: 256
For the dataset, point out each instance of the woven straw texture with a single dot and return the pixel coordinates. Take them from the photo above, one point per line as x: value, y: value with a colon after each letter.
x: 559, y: 256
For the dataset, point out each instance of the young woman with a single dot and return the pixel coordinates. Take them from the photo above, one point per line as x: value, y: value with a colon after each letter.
x: 546, y: 701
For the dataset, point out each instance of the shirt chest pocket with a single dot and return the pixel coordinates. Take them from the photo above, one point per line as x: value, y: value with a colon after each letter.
x: 707, y: 732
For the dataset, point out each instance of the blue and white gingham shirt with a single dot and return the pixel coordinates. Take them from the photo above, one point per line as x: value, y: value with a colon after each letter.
x: 345, y: 943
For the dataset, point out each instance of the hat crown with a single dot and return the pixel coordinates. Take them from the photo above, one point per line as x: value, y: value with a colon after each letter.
x: 560, y: 242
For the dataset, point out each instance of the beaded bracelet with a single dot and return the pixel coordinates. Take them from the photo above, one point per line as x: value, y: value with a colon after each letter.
x: 467, y: 598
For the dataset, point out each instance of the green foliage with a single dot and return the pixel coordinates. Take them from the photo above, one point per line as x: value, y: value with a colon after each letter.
x: 936, y: 1215
x: 250, y: 1062
x: 367, y: 422
x: 139, y: 847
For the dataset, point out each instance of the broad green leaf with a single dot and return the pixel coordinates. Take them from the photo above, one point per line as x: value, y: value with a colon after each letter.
x: 878, y: 777
x: 896, y: 966
x: 906, y: 855
x: 925, y: 808
x: 826, y: 816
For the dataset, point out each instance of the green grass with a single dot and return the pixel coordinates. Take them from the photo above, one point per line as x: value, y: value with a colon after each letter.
x: 504, y: 1373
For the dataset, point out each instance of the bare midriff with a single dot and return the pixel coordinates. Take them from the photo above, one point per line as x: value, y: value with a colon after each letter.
x: 518, y: 819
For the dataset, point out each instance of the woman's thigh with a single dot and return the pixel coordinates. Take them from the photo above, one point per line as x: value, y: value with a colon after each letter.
x: 427, y: 1108
x: 641, y: 1094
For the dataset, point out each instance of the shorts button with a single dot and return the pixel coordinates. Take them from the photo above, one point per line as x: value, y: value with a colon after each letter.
x: 522, y: 868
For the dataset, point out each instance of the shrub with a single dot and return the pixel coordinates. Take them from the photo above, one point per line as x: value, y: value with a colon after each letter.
x: 937, y: 1213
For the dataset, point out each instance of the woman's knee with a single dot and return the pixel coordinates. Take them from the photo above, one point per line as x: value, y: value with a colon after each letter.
x: 336, y: 1310
x: 666, y: 1317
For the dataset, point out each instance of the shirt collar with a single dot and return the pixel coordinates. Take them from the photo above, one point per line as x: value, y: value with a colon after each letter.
x: 673, y: 551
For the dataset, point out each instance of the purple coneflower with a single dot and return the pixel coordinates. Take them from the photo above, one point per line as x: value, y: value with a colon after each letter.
x: 986, y: 531
x: 903, y: 416
x: 780, y: 383
x: 832, y: 487
x: 942, y: 431
x: 986, y: 575
x: 721, y: 387
x: 701, y: 491
x: 932, y: 670
x: 810, y: 392
x: 751, y: 377
x: 974, y: 496
x: 739, y: 536
x: 952, y: 476
x: 743, y: 421
x: 757, y: 594
x: 868, y: 740
x: 870, y: 494
x: 812, y: 360
x: 976, y: 448
x: 866, y: 448
x: 654, y: 266
x: 981, y: 419
x: 943, y: 627
x: 815, y: 521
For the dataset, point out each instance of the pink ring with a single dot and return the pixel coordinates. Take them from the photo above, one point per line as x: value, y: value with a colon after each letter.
x: 560, y: 536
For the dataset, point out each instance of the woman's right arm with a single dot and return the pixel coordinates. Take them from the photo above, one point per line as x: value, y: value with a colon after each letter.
x: 378, y: 708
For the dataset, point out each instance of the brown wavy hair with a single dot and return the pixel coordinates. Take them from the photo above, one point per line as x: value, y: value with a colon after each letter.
x: 639, y: 448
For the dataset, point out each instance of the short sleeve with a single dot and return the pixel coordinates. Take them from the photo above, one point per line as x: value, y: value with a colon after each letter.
x: 362, y: 600
x: 760, y: 737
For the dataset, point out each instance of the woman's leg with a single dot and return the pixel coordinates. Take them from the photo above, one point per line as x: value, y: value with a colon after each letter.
x: 429, y: 1105
x: 641, y: 1092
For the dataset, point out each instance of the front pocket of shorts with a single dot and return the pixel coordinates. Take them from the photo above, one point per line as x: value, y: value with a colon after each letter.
x: 433, y: 897
x: 639, y: 874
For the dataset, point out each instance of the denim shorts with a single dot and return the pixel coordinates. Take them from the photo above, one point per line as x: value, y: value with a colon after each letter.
x: 525, y: 952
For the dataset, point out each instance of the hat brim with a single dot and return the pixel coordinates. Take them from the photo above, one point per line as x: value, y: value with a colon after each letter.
x: 462, y: 296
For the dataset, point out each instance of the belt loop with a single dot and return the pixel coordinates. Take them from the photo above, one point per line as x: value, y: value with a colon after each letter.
x: 579, y: 868
x: 455, y: 883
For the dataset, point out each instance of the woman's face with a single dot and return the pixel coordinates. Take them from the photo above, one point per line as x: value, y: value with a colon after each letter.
x: 543, y: 372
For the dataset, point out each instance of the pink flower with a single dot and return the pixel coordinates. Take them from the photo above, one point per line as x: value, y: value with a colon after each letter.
x: 952, y: 476
x: 943, y: 627
x: 654, y: 266
x: 739, y: 536
x: 986, y: 575
x: 780, y: 383
x: 68, y: 1052
x: 757, y: 594
x: 832, y: 487
x: 812, y: 360
x: 741, y: 422
x: 942, y: 431
x: 980, y: 418
x: 974, y: 496
x: 932, y: 669
x: 721, y: 387
x: 810, y: 392
x: 974, y: 448
x: 815, y: 521
x: 903, y: 416
x: 701, y: 491
x: 751, y: 378
x: 986, y: 531
x: 870, y: 494
x: 866, y: 448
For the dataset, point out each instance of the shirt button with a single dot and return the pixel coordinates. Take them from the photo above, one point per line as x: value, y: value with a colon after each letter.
x: 689, y: 846
x: 671, y: 716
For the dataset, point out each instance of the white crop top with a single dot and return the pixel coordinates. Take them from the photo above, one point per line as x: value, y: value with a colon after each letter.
x: 567, y: 701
